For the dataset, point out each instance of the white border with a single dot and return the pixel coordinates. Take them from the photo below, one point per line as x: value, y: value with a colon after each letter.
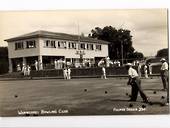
x: 148, y: 121
x: 80, y: 4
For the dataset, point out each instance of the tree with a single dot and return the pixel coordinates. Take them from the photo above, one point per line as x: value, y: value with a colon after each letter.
x: 162, y: 53
x: 117, y: 39
x: 135, y: 56
x: 3, y: 60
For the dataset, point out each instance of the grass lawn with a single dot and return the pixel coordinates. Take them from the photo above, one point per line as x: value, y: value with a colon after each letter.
x: 87, y: 96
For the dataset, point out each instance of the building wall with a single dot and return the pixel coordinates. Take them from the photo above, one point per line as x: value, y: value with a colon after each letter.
x: 26, y: 52
x: 45, y: 51
x: 71, y: 53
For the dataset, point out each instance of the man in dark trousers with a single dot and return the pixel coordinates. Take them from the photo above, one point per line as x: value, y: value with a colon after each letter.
x: 135, y: 83
x: 164, y: 73
x: 165, y: 77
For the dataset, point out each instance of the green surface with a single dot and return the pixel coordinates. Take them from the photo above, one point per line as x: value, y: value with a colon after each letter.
x: 78, y: 97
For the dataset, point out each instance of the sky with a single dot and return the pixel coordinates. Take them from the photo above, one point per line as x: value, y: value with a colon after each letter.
x: 148, y: 26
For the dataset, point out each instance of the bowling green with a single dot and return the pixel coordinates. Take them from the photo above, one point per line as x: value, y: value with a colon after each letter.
x: 85, y: 96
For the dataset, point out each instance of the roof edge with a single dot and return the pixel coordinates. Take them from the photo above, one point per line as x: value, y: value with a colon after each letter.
x: 54, y: 35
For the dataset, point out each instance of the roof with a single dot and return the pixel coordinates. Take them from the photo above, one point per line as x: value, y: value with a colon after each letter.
x: 55, y: 35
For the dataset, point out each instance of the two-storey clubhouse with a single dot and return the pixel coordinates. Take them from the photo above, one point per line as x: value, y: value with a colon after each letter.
x: 47, y: 46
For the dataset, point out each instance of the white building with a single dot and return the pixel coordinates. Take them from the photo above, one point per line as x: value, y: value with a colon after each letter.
x: 45, y: 46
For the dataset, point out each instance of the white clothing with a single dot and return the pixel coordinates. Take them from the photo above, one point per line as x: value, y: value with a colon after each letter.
x: 118, y: 63
x: 27, y: 71
x: 146, y: 74
x: 164, y: 66
x: 18, y: 67
x: 68, y: 73
x: 55, y: 64
x: 132, y: 73
x: 150, y: 69
x: 65, y: 73
x: 107, y: 62
x: 40, y: 66
x: 36, y: 66
x: 146, y: 71
x: 104, y: 72
x: 101, y: 63
x: 24, y: 71
x: 139, y: 70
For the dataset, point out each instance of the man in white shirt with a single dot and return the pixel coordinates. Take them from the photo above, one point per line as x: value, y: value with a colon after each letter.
x: 135, y: 83
x: 164, y: 73
x: 102, y: 64
x: 55, y: 64
x: 36, y: 65
x: 28, y: 69
x: 68, y: 73
x: 146, y: 71
x: 165, y: 77
x: 107, y: 61
x: 103, y: 73
x: 65, y: 73
x: 18, y: 68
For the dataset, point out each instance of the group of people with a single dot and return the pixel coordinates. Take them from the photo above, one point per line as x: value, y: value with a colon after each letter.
x: 67, y: 73
x: 58, y: 64
x: 117, y: 63
x: 25, y: 69
x: 134, y: 76
x: 38, y: 65
x: 135, y: 82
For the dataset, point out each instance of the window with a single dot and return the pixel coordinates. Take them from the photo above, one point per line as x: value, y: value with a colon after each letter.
x: 49, y: 44
x: 98, y: 47
x: 90, y: 47
x: 72, y: 45
x: 53, y: 44
x: 87, y: 46
x: 82, y: 46
x: 31, y: 44
x: 19, y: 45
x: 62, y: 44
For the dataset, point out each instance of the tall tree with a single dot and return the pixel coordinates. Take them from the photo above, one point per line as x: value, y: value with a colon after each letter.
x: 118, y: 39
x: 162, y: 53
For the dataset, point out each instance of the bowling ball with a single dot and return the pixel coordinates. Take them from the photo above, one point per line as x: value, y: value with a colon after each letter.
x: 143, y: 106
x: 162, y: 97
x: 162, y: 104
x: 130, y: 105
x: 150, y: 103
x: 154, y: 92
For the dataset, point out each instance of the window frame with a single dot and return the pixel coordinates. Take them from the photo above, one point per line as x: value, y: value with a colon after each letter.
x: 17, y: 44
x: 98, y: 48
x: 32, y: 41
x: 71, y: 45
x: 62, y: 44
x: 49, y: 44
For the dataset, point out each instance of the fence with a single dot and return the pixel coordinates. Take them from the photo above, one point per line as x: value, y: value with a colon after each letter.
x: 88, y: 72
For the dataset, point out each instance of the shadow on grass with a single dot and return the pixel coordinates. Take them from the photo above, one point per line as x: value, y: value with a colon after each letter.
x: 152, y: 89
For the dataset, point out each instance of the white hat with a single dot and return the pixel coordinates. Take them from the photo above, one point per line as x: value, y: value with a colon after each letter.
x: 128, y: 64
x: 162, y: 59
